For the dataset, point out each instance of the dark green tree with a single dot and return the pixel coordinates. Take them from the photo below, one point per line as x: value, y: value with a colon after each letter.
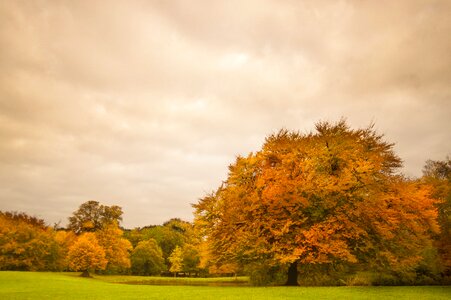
x: 92, y: 216
x: 147, y: 258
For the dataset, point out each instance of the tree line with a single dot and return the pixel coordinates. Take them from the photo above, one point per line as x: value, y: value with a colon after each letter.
x: 94, y: 242
x: 318, y: 208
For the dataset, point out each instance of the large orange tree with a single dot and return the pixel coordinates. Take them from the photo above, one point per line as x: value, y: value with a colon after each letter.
x: 328, y: 197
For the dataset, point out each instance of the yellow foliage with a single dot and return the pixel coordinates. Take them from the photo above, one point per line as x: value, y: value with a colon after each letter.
x: 117, y: 249
x: 86, y: 254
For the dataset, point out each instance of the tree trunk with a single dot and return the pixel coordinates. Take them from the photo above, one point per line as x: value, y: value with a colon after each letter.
x: 292, y: 275
x: 85, y: 273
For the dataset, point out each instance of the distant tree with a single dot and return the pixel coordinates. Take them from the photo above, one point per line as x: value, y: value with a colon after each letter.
x: 176, y: 261
x: 172, y: 233
x: 166, y: 238
x: 134, y: 236
x: 92, y: 216
x: 117, y: 249
x: 326, y: 198
x: 191, y: 258
x: 87, y: 255
x: 147, y: 258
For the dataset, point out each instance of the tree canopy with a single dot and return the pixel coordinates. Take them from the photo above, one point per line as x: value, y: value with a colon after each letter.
x: 147, y: 258
x: 26, y: 243
x: 117, y: 249
x: 86, y: 254
x: 92, y: 216
x: 438, y: 175
x: 327, y: 197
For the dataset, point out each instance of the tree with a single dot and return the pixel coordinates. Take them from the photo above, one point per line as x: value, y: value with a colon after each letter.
x: 331, y: 197
x: 172, y: 233
x: 117, y: 249
x: 191, y: 258
x: 86, y: 254
x: 147, y: 258
x: 92, y: 216
x: 176, y: 260
x: 438, y: 175
x: 26, y: 243
x: 64, y: 240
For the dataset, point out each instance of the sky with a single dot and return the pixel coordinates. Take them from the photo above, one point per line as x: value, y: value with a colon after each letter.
x: 144, y: 104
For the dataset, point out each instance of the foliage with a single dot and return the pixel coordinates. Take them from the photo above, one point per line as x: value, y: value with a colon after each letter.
x: 330, y: 197
x: 92, y: 216
x: 263, y: 275
x: 117, y: 249
x: 147, y: 258
x: 168, y: 236
x: 191, y: 258
x: 438, y: 175
x: 64, y: 239
x: 171, y: 234
x: 26, y: 243
x: 134, y: 236
x: 86, y: 254
x: 176, y: 260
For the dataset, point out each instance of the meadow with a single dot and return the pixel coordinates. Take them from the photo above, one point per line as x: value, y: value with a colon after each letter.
x: 45, y: 285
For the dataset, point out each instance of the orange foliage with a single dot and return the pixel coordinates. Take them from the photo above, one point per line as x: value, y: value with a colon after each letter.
x: 117, y: 249
x: 26, y: 243
x: 86, y: 254
x: 324, y: 197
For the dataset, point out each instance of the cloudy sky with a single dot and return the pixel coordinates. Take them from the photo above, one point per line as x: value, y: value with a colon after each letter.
x: 144, y: 104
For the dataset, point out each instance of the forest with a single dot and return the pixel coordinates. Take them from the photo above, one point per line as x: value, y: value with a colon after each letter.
x: 328, y: 207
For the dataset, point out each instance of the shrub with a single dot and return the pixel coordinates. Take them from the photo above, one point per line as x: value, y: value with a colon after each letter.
x: 260, y: 275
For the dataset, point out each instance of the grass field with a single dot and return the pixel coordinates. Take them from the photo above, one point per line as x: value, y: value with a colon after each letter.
x: 33, y: 285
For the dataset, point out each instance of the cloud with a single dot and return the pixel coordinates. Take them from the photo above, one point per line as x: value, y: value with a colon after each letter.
x: 144, y: 104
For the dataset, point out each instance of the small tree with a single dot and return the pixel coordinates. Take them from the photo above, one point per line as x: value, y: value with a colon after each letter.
x: 86, y: 255
x: 176, y: 260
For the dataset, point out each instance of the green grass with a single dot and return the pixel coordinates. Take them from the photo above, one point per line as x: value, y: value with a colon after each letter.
x: 33, y: 285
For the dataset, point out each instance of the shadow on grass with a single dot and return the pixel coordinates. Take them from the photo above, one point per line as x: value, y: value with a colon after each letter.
x: 235, y: 283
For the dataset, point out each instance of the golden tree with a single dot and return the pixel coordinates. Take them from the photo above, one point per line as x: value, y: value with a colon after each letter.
x: 176, y: 260
x: 86, y: 255
x: 117, y: 249
x: 26, y: 243
x: 327, y: 197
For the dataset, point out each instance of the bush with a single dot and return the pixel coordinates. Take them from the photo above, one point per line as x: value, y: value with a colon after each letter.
x: 359, y: 279
x: 261, y: 275
x: 322, y: 274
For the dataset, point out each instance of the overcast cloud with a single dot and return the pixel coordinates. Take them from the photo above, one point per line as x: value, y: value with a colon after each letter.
x: 144, y: 104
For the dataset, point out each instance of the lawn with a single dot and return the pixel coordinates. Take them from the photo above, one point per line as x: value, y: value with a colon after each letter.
x: 33, y: 285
